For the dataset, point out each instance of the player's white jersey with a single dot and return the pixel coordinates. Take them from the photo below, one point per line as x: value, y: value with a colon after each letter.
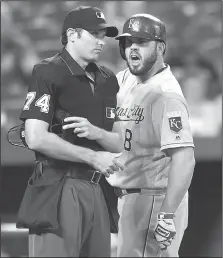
x: 154, y: 117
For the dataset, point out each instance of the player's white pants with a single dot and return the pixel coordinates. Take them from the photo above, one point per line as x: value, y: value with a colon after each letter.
x: 137, y: 224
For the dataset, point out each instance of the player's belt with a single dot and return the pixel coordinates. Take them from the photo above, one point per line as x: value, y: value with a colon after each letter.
x: 156, y: 191
x: 92, y: 176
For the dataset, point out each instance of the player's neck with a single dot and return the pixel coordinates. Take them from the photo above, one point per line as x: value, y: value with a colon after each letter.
x: 153, y: 71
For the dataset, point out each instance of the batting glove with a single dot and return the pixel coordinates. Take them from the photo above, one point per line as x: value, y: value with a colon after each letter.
x: 165, y: 229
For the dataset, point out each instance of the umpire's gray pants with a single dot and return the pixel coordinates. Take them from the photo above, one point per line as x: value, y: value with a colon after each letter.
x: 84, y: 222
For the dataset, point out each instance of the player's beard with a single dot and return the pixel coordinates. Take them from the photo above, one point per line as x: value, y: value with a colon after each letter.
x: 145, y: 67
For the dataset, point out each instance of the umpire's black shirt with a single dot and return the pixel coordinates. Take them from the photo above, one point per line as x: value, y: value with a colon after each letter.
x: 60, y: 83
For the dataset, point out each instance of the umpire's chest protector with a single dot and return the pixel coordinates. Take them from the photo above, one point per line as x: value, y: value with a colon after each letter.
x: 75, y: 95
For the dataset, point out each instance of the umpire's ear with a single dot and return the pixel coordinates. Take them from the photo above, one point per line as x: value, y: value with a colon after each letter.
x: 71, y: 35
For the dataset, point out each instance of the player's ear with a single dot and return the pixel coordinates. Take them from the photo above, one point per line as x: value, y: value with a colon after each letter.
x: 160, y: 47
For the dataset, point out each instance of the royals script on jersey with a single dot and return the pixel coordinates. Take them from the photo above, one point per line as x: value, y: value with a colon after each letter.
x: 154, y: 117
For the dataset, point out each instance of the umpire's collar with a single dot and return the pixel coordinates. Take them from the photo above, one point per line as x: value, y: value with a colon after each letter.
x: 72, y: 65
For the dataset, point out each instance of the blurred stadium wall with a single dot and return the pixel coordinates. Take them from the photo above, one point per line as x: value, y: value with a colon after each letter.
x: 30, y: 31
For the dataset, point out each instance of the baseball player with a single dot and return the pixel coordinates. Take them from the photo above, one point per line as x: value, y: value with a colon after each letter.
x: 158, y: 145
x: 81, y: 91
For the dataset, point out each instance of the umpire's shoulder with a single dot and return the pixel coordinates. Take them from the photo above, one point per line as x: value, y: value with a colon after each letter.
x: 111, y: 80
x: 105, y: 71
x: 46, y: 68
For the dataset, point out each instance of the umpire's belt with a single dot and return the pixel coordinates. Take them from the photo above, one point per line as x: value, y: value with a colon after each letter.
x: 90, y: 175
x: 156, y: 191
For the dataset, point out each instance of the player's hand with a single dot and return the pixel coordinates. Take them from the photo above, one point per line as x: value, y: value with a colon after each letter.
x: 82, y: 127
x: 165, y: 230
x: 107, y: 163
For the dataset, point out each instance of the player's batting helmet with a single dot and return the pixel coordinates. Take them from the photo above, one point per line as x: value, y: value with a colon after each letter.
x: 142, y: 26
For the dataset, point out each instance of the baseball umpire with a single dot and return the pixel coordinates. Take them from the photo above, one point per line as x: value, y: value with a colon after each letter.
x: 64, y: 206
x: 158, y: 154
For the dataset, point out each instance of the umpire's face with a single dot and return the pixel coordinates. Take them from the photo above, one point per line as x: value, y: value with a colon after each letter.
x: 89, y: 44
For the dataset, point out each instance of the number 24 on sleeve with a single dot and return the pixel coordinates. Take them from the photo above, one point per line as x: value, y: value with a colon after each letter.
x: 43, y: 102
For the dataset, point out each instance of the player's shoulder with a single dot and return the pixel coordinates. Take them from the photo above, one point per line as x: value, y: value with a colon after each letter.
x: 168, y: 91
x: 169, y: 87
x: 171, y: 96
x: 125, y: 76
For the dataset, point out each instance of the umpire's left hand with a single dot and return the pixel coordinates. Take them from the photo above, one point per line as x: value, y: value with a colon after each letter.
x: 82, y: 127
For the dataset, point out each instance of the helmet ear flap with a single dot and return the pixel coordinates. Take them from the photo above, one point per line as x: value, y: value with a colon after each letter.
x: 122, y: 47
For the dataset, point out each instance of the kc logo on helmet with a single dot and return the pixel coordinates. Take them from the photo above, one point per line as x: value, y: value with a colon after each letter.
x: 134, y: 25
x: 175, y: 122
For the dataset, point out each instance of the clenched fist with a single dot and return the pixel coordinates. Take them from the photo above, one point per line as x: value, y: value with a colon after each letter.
x: 107, y: 162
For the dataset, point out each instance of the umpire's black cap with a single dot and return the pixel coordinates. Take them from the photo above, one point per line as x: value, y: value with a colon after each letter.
x: 88, y: 18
